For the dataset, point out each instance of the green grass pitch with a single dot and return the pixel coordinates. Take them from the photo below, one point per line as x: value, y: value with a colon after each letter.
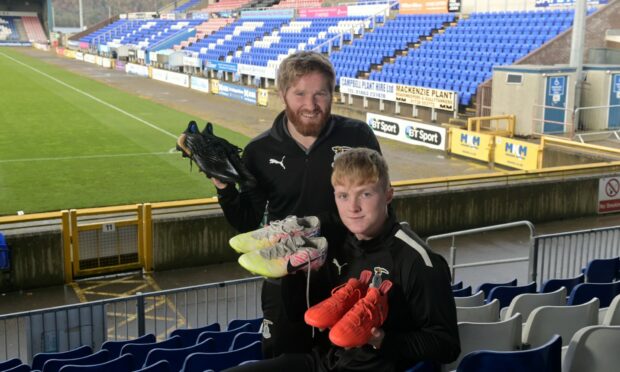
x: 62, y: 149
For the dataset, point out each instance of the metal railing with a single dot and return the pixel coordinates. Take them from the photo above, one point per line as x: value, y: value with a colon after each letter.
x: 563, y: 255
x: 24, y: 334
x: 453, y: 235
x: 583, y: 122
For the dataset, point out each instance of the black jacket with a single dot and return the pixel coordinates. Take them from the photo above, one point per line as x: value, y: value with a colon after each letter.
x: 293, y: 181
x: 421, y: 323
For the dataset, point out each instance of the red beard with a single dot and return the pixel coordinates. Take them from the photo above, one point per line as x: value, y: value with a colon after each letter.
x: 307, y: 126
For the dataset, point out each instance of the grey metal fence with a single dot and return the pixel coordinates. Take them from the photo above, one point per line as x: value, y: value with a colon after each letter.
x: 22, y: 335
x: 563, y: 255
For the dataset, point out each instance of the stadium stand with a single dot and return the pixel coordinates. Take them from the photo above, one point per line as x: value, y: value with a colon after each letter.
x: 395, y: 35
x: 238, y: 34
x: 34, y: 30
x: 8, y: 31
x: 463, y: 56
x: 140, y: 33
x: 205, y: 29
x: 303, y: 33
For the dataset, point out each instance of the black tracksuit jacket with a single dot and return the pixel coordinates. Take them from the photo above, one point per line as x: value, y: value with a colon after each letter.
x: 293, y: 181
x: 421, y: 323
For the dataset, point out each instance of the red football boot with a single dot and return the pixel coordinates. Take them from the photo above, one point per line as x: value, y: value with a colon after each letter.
x: 327, y: 312
x: 353, y: 329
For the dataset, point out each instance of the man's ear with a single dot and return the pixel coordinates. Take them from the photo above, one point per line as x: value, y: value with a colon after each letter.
x: 389, y: 194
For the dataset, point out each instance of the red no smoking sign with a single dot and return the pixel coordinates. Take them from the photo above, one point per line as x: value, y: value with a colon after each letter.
x: 608, y: 195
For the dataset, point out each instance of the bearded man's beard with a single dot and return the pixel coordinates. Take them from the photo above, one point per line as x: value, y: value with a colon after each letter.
x: 308, y: 126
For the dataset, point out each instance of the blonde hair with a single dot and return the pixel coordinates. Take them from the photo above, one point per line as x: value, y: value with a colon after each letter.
x: 360, y: 166
x: 302, y: 63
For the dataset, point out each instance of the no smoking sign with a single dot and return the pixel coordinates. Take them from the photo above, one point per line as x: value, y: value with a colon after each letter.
x: 608, y: 195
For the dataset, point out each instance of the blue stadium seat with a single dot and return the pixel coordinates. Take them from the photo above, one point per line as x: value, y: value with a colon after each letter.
x: 19, y: 368
x: 505, y: 294
x: 255, y: 324
x: 602, y: 270
x: 176, y: 357
x: 140, y: 351
x: 54, y: 365
x: 553, y: 285
x: 486, y: 287
x: 463, y: 292
x: 190, y: 335
x: 458, y: 285
x: 11, y: 363
x: 198, y: 362
x: 243, y: 339
x: 39, y: 359
x: 547, y: 357
x: 114, y: 347
x: 161, y: 366
x: 223, y: 339
x: 123, y: 363
x: 584, y: 292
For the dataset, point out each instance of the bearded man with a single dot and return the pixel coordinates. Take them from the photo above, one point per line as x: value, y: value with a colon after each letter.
x: 292, y: 163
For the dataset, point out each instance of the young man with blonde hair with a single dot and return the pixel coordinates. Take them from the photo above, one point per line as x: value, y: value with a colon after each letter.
x: 378, y: 327
x: 292, y: 165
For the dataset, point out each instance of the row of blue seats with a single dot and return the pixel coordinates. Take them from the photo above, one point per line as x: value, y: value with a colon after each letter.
x: 600, y: 278
x: 185, y: 349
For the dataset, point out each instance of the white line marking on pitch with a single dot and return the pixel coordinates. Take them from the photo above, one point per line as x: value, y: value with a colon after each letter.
x: 86, y: 157
x: 91, y: 97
